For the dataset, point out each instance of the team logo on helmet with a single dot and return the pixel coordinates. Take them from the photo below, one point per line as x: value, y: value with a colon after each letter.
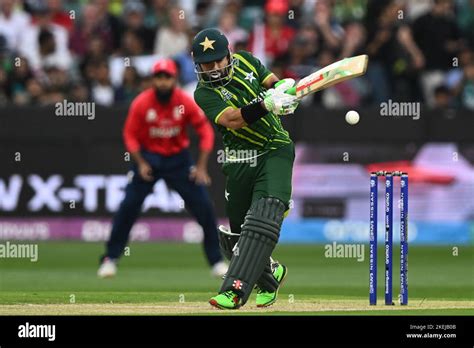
x: 206, y: 44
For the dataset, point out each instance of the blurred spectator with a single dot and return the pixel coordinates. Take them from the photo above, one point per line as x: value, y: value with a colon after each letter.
x: 59, y: 16
x: 95, y: 52
x: 5, y: 68
x: 329, y: 18
x: 273, y: 39
x: 116, y: 7
x: 464, y: 91
x: 88, y: 29
x: 13, y: 21
x: 252, y: 12
x: 219, y: 8
x: 57, y: 79
x: 89, y: 70
x: 437, y: 35
x: 134, y: 20
x: 45, y: 44
x: 102, y: 92
x: 408, y: 43
x: 146, y: 82
x: 442, y: 97
x: 108, y: 23
x: 458, y: 82
x: 301, y: 60
x: 79, y: 93
x: 172, y: 39
x: 388, y: 40
x: 3, y: 88
x: 466, y: 20
x: 278, y: 67
x: 382, y: 26
x: 354, y: 39
x: 132, y: 44
x: 35, y: 93
x: 228, y: 25
x: 456, y: 74
x: 202, y: 16
x: 416, y: 8
x: 17, y: 81
x: 240, y: 46
x: 185, y: 64
x: 407, y: 67
x: 130, y: 86
x: 347, y: 11
x: 52, y: 96
x: 159, y: 14
x: 331, y: 32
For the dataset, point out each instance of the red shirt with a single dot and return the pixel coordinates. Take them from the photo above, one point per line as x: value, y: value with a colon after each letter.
x: 161, y: 128
x: 276, y: 44
x: 63, y: 19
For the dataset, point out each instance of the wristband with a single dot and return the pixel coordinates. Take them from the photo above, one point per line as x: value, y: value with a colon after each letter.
x: 253, y: 112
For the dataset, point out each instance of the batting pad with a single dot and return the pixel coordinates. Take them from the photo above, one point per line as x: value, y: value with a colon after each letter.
x: 228, y: 241
x: 267, y: 281
x: 259, y: 236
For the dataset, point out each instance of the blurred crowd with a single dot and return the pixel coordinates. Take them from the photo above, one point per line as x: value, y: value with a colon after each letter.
x: 101, y: 50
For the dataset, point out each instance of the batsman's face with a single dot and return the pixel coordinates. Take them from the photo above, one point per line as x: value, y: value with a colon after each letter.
x: 215, y: 69
x: 164, y: 82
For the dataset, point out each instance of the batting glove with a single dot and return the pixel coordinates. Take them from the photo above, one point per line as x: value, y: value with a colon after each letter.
x: 279, y: 102
x: 284, y: 85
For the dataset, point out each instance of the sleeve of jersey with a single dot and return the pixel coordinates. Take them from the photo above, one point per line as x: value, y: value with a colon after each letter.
x: 201, y: 125
x: 132, y: 128
x: 211, y: 103
x: 262, y: 72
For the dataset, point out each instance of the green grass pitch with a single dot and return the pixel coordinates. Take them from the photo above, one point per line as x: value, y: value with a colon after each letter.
x: 172, y: 278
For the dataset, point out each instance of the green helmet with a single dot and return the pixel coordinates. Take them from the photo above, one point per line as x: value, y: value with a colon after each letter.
x: 211, y: 45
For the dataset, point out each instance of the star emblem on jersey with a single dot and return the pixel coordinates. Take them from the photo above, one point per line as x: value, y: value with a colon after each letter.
x: 237, y: 285
x: 249, y: 77
x: 207, y: 44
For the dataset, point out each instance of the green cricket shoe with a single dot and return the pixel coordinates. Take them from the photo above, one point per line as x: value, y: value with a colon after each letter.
x: 226, y: 300
x: 266, y: 298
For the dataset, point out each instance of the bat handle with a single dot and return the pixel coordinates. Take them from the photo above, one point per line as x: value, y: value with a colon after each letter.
x: 291, y: 90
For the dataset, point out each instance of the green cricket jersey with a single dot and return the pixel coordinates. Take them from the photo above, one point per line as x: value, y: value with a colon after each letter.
x: 245, y: 88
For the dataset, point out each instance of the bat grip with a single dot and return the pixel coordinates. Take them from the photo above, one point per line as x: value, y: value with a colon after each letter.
x: 291, y: 90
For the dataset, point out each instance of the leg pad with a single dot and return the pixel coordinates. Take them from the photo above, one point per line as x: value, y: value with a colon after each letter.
x: 259, y: 236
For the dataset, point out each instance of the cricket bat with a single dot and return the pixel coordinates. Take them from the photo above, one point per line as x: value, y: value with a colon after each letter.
x: 342, y: 70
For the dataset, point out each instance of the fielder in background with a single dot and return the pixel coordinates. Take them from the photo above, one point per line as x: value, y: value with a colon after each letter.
x: 155, y: 135
x: 245, y: 101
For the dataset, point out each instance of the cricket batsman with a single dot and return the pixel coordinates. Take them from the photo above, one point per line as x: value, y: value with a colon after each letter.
x: 245, y: 101
x: 155, y: 135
